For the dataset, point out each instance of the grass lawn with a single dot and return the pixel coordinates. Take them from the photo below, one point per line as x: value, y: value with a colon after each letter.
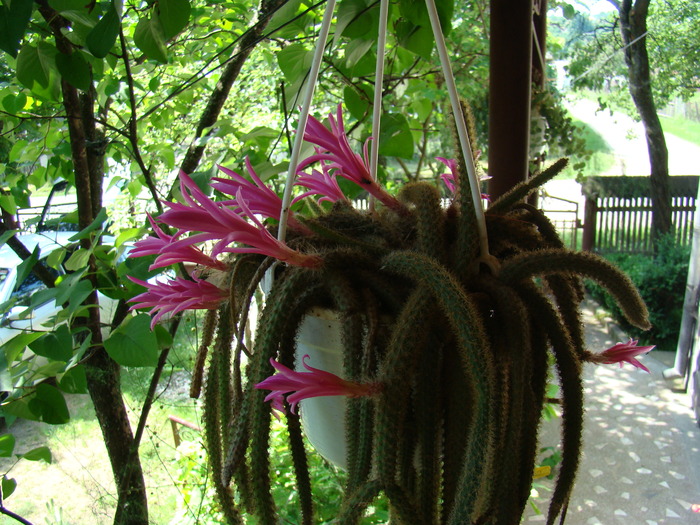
x: 601, y: 157
x: 683, y: 128
x: 78, y: 486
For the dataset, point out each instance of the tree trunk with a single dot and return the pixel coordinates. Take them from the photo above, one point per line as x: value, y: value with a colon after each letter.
x: 102, y: 372
x: 633, y: 25
x: 106, y: 394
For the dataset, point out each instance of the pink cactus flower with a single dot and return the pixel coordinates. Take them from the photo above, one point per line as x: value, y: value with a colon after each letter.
x: 161, y: 245
x: 348, y: 164
x: 217, y: 222
x: 304, y: 385
x: 176, y: 295
x: 624, y: 352
x: 321, y: 183
x: 449, y: 178
x: 260, y: 199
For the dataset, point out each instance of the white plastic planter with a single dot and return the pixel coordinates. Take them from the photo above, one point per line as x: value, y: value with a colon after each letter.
x: 323, y: 418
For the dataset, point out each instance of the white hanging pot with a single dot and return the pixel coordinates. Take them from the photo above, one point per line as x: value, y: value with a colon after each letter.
x: 323, y: 418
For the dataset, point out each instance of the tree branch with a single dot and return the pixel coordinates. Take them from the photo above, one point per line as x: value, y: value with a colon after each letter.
x: 133, y: 129
x: 223, y: 87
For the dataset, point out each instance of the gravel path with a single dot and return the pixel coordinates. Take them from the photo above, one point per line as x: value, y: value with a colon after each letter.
x: 641, y: 459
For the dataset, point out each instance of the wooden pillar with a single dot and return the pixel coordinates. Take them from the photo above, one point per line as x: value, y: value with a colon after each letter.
x: 509, y: 94
x: 590, y: 213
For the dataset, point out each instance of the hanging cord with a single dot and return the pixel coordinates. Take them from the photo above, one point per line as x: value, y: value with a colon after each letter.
x: 304, y: 117
x: 378, y: 92
x: 485, y: 257
x: 299, y: 137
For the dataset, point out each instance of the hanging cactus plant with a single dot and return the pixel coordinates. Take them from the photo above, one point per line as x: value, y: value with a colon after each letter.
x: 445, y: 355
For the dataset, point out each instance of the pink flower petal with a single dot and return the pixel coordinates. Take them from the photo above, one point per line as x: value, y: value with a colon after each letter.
x: 305, y: 385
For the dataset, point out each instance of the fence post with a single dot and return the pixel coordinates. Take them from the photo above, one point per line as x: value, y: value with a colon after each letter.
x: 590, y: 213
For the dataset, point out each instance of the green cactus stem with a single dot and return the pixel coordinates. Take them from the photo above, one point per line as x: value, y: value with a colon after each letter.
x: 460, y: 352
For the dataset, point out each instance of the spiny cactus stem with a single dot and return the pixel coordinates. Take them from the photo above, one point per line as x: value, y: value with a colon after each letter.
x: 569, y: 369
x: 472, y: 180
x: 210, y: 319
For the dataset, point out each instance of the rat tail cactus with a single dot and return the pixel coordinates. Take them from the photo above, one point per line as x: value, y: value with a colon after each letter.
x: 445, y: 358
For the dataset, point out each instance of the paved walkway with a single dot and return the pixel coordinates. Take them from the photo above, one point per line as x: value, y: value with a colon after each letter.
x: 626, y: 138
x: 641, y: 460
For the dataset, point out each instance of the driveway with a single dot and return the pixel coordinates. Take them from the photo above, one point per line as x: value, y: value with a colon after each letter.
x: 627, y: 140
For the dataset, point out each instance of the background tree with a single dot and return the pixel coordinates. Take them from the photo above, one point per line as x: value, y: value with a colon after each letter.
x: 649, y: 48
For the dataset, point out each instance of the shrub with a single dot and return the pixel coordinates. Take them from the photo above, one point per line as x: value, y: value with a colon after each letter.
x: 661, y: 281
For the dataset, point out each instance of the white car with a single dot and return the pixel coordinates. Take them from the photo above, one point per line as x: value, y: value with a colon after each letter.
x: 18, y: 296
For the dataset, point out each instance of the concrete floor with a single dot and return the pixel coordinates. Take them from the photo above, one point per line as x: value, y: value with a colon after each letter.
x: 641, y: 460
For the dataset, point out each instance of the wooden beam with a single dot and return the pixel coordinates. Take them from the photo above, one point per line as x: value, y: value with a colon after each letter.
x: 509, y: 94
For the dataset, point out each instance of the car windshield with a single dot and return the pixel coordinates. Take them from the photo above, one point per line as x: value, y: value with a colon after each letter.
x: 3, y: 274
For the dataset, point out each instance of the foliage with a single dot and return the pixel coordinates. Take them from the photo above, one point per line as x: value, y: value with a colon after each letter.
x: 594, y: 47
x: 7, y: 450
x: 661, y: 280
x: 200, y: 505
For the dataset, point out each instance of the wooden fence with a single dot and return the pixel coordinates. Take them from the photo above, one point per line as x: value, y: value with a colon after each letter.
x: 617, y: 214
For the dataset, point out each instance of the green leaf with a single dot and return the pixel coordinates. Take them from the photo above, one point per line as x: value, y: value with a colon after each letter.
x: 127, y: 234
x: 295, y: 62
x: 415, y: 12
x: 395, y: 137
x: 14, y: 19
x: 6, y: 384
x: 103, y: 36
x: 14, y: 103
x: 68, y: 5
x: 17, y: 150
x: 569, y: 11
x: 417, y: 39
x: 8, y: 486
x: 19, y: 408
x: 49, y: 405
x: 133, y: 343
x: 55, y: 258
x: 56, y: 345
x: 74, y: 381
x: 357, y: 18
x: 78, y: 259
x: 94, y: 225
x: 173, y: 16
x: 423, y: 107
x: 14, y: 348
x: 165, y: 340
x: 7, y: 203
x: 74, y: 69
x: 37, y: 454
x: 78, y: 293
x: 7, y: 445
x: 35, y: 65
x: 149, y: 38
x: 25, y: 267
x: 260, y: 137
x: 356, y: 50
x: 357, y: 104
